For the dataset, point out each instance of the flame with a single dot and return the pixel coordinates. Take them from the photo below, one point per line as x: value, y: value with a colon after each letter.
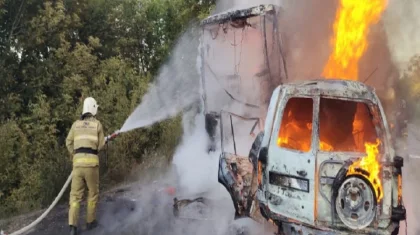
x: 301, y: 144
x: 369, y: 168
x: 325, y: 147
x: 349, y: 42
x: 356, y: 134
x: 399, y: 188
x: 296, y: 125
x: 295, y: 136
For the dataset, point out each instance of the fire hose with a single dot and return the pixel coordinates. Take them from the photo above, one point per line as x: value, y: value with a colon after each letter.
x: 54, y: 203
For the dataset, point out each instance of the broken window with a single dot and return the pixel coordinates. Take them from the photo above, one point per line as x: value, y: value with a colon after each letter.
x: 296, y: 125
x: 345, y: 126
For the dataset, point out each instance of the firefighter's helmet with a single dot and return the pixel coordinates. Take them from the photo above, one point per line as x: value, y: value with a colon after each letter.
x: 90, y: 106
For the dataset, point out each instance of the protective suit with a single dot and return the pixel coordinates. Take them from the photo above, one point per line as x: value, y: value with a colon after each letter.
x: 84, y: 141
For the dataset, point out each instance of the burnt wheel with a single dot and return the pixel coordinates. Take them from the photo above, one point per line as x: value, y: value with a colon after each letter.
x: 356, y: 203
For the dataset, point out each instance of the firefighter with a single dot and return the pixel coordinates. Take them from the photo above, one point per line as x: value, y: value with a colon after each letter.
x: 84, y: 141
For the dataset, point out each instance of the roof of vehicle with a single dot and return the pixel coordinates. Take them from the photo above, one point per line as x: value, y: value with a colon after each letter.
x: 332, y: 87
x: 233, y: 14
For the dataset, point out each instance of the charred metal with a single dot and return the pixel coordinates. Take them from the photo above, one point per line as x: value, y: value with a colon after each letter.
x: 238, y: 15
x: 343, y: 187
x: 308, y: 182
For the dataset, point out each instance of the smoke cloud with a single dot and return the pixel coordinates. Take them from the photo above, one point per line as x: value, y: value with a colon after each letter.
x: 174, y: 89
x: 306, y: 28
x: 401, y: 25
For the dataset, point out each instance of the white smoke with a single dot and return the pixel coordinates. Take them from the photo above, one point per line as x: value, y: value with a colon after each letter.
x: 305, y: 27
x: 402, y: 25
x: 197, y: 169
x: 175, y: 88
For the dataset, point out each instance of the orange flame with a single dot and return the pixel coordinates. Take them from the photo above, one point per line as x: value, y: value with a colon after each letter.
x: 324, y: 146
x: 399, y: 189
x: 349, y: 42
x: 369, y: 168
x: 351, y: 28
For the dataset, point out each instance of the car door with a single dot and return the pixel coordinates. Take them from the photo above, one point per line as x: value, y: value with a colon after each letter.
x: 291, y: 159
x: 236, y: 170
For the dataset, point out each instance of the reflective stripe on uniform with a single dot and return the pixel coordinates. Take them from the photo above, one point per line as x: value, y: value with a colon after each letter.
x: 93, y: 159
x: 86, y: 137
x: 86, y: 134
x: 91, y: 203
x: 75, y: 205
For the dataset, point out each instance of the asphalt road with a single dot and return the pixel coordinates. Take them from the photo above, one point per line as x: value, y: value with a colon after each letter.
x: 140, y: 210
x: 118, y: 213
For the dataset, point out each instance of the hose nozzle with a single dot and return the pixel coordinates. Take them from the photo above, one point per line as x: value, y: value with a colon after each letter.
x: 112, y: 136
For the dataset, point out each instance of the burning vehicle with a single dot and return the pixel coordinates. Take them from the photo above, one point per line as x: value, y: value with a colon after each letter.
x: 309, y: 157
x: 325, y: 163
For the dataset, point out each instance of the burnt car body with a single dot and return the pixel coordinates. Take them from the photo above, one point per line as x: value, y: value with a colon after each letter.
x: 309, y: 189
x: 299, y: 187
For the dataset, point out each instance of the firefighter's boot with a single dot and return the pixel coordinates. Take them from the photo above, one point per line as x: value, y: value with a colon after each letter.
x: 92, y: 225
x: 73, y: 230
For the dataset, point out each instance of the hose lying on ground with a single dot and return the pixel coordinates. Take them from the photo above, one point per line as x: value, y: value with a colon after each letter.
x: 37, y: 221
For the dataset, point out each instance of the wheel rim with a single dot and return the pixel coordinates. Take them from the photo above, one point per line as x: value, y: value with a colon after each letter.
x: 356, y: 203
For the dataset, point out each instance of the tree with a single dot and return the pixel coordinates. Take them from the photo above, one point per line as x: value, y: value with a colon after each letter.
x: 55, y: 53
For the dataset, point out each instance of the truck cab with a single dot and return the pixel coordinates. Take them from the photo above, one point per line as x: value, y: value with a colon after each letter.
x: 325, y: 164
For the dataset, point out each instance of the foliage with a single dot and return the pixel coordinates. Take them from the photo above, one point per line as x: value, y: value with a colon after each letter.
x: 55, y: 53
